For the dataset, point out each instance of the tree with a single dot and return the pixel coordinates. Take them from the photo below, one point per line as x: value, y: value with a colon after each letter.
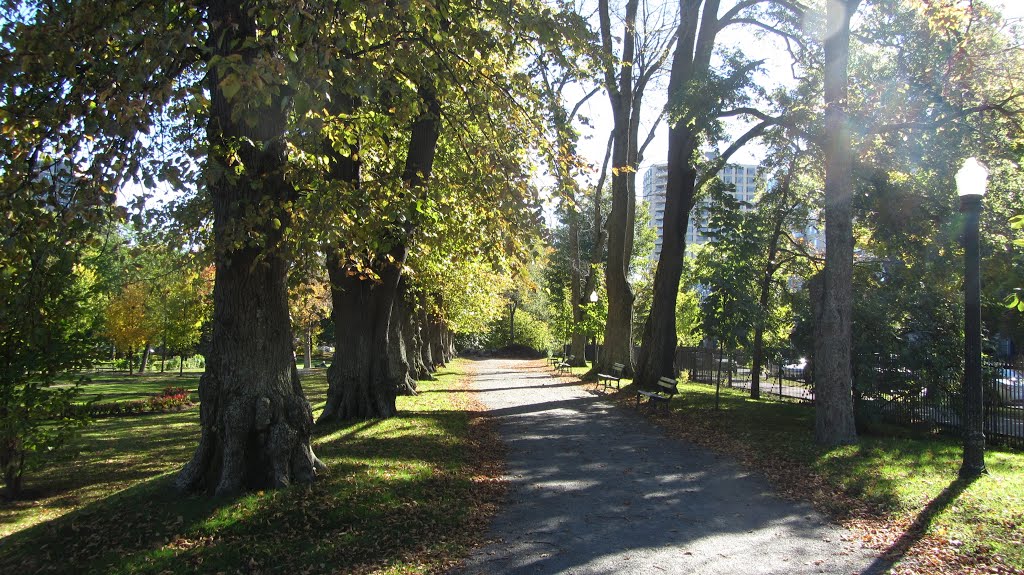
x: 309, y: 303
x: 45, y: 293
x: 565, y: 166
x: 833, y: 382
x: 128, y: 323
x: 184, y: 307
x: 699, y: 96
x: 256, y: 421
x: 625, y: 87
x: 100, y: 76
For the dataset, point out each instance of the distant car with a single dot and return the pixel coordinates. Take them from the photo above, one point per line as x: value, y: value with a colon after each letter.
x: 1009, y: 386
x: 795, y: 370
x: 326, y: 349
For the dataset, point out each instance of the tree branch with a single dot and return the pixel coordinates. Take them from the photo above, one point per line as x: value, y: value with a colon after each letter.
x: 767, y: 27
x: 582, y: 101
x: 723, y: 159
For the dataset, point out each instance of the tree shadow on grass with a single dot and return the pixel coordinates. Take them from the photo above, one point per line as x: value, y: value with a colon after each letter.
x: 387, y: 495
x: 919, y: 528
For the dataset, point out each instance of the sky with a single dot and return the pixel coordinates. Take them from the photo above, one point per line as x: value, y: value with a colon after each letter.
x: 776, y: 71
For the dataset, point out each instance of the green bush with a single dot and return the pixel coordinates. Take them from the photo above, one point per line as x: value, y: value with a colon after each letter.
x: 529, y: 332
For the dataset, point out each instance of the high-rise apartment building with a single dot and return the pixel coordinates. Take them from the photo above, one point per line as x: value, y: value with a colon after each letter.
x: 742, y: 176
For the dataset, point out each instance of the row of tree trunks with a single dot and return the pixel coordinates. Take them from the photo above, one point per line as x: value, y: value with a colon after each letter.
x: 361, y: 382
x: 371, y: 366
x: 255, y: 420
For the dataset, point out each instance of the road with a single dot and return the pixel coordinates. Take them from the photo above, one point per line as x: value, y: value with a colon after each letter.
x: 596, y: 489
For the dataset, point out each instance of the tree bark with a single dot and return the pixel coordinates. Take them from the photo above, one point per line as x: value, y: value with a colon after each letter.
x: 413, y: 343
x: 398, y: 355
x: 360, y: 384
x: 618, y: 328
x: 368, y: 385
x: 690, y: 63
x: 436, y: 350
x: 833, y: 380
x: 657, y: 354
x: 255, y: 419
x: 578, y: 341
x: 424, y: 324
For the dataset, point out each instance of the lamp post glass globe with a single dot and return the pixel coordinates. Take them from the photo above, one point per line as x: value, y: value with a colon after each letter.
x: 593, y: 296
x: 972, y: 179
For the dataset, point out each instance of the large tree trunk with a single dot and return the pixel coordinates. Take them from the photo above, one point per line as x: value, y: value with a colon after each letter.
x: 618, y: 330
x: 414, y: 344
x: 255, y: 419
x: 424, y: 325
x: 833, y: 380
x: 578, y: 342
x: 367, y: 386
x: 690, y: 63
x: 657, y: 354
x: 434, y: 341
x: 360, y: 383
x: 398, y: 355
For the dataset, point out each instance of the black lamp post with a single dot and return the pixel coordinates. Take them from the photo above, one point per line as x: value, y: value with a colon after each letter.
x: 593, y: 300
x: 971, y: 181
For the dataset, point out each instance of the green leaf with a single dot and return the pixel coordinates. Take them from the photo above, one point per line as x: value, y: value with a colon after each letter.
x: 230, y: 86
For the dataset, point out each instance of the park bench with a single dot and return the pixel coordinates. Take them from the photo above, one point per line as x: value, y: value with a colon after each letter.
x: 616, y: 376
x: 667, y: 388
x: 565, y: 365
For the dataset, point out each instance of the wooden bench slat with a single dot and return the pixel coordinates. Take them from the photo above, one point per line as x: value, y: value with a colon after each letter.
x: 616, y: 376
x: 669, y: 389
x: 565, y: 365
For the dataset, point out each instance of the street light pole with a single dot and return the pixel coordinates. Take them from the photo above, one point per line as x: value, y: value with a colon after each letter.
x: 593, y: 300
x: 971, y: 181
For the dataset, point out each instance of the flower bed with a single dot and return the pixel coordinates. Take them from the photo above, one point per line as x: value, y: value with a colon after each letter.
x: 170, y: 399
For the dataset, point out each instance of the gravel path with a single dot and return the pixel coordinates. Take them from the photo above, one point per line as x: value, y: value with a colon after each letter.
x: 596, y: 489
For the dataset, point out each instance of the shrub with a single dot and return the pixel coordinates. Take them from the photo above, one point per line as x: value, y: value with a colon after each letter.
x: 34, y: 417
x: 529, y: 331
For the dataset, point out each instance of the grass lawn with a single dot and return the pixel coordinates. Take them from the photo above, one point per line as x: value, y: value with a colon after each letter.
x: 109, y: 386
x: 900, y: 492
x: 404, y: 495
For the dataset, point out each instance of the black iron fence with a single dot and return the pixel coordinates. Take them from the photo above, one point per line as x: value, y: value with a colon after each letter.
x: 887, y: 390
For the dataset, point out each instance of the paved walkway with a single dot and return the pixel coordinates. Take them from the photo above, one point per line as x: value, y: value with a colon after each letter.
x: 596, y: 489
